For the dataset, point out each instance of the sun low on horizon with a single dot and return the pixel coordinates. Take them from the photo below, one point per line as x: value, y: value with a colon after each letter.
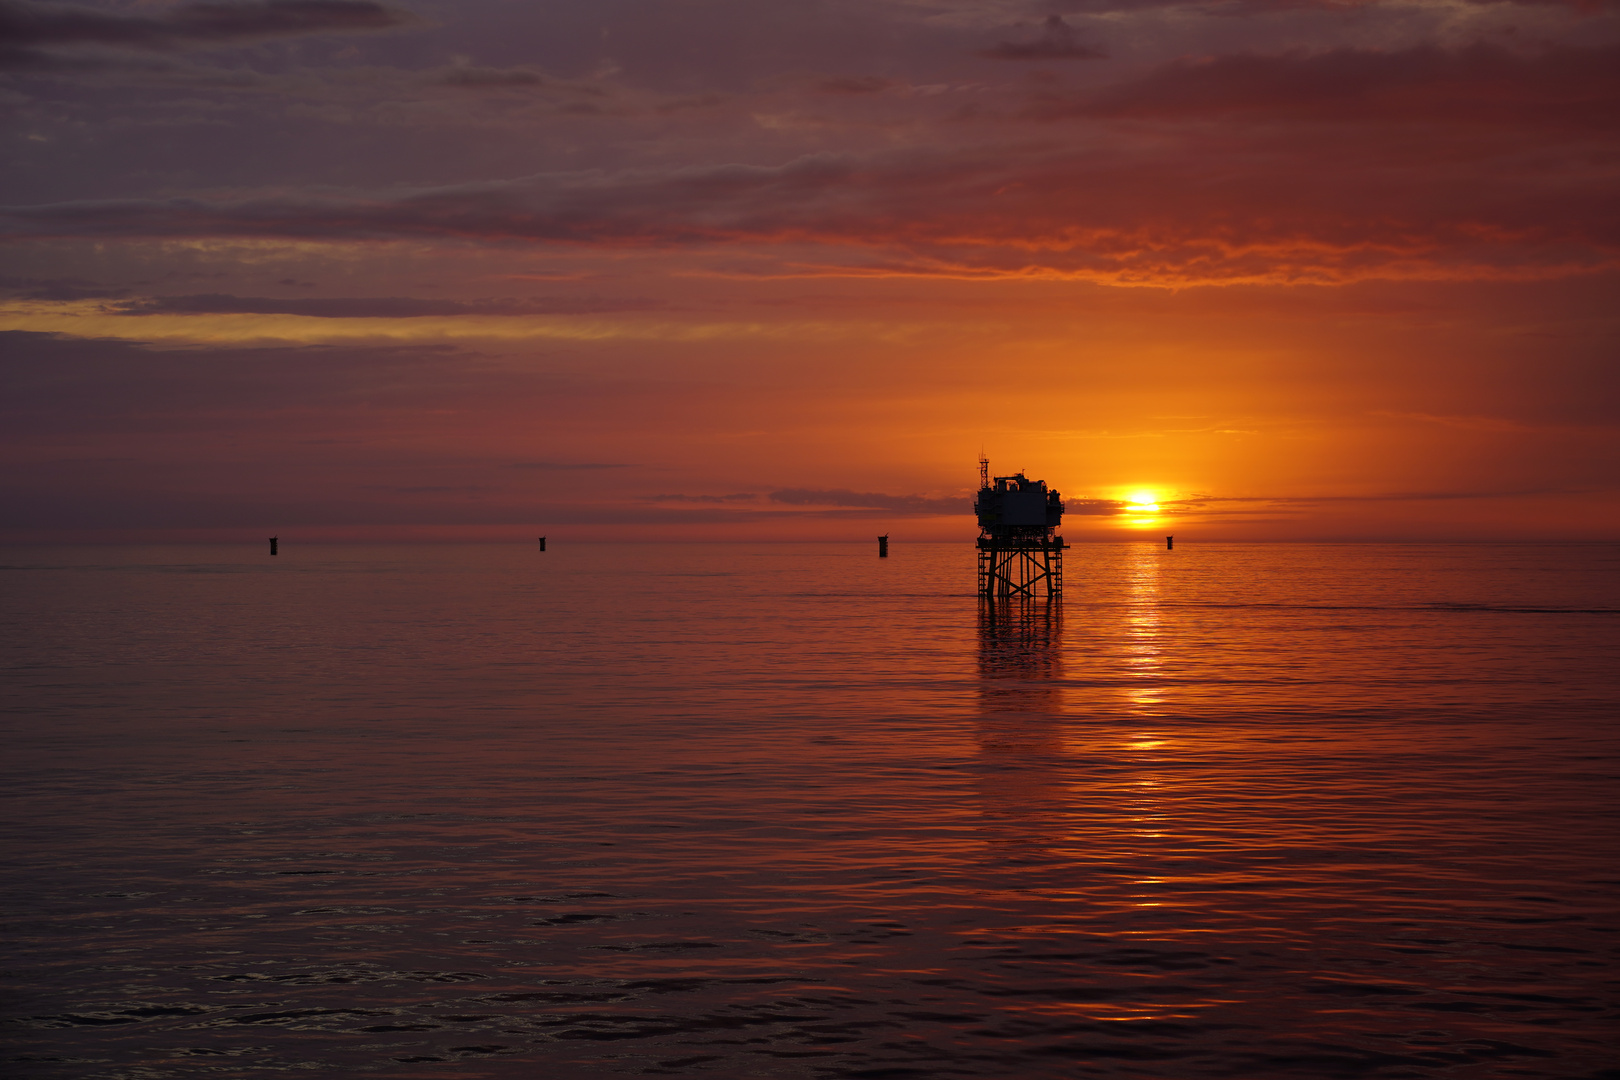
x: 1142, y: 502
x: 1140, y: 508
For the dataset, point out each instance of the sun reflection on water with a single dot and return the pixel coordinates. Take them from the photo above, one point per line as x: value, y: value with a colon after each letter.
x: 1144, y: 644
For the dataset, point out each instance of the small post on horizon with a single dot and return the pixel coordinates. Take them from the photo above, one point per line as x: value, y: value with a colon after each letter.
x: 883, y: 547
x: 272, y: 545
x: 542, y: 543
x: 1169, y: 543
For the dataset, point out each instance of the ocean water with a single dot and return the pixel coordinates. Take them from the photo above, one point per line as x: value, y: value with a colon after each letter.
x: 1291, y: 811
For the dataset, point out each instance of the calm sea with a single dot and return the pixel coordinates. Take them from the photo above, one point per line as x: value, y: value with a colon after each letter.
x: 792, y: 811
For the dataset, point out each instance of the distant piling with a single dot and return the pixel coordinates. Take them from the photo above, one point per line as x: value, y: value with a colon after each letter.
x: 883, y: 547
x: 1169, y: 543
x: 272, y: 545
x: 542, y: 543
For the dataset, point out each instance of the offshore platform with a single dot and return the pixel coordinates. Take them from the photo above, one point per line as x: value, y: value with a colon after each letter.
x: 1019, y: 550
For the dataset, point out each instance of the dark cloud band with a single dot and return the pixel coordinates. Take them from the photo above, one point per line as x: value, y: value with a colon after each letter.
x: 898, y: 504
x: 34, y: 32
x: 28, y: 23
x: 1057, y: 41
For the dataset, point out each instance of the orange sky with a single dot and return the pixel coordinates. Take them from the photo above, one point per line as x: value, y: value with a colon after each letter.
x: 769, y: 270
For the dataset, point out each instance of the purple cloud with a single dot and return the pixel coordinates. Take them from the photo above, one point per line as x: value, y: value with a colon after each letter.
x: 29, y: 23
x: 1056, y: 42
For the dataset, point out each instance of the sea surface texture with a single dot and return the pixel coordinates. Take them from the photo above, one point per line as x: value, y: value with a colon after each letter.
x: 793, y: 811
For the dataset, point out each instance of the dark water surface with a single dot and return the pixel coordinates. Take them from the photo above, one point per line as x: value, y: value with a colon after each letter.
x: 1294, y: 811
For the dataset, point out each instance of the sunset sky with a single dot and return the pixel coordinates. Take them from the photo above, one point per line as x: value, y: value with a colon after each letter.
x: 768, y: 269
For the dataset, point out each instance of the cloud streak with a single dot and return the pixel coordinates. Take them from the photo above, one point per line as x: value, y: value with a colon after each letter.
x: 1478, y: 85
x: 373, y: 307
x: 929, y: 506
x: 570, y: 466
x: 31, y: 29
x: 1057, y: 41
x: 895, y: 504
x: 25, y: 22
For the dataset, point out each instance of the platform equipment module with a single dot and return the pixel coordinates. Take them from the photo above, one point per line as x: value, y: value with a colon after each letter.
x: 1019, y: 549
